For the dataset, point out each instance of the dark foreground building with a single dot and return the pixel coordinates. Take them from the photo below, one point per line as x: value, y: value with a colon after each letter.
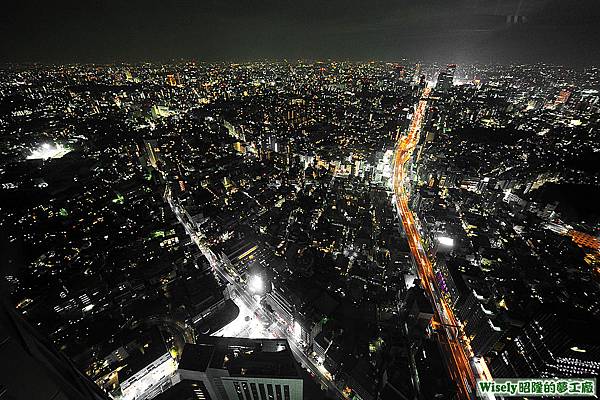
x: 558, y: 342
x: 32, y: 369
x: 218, y: 368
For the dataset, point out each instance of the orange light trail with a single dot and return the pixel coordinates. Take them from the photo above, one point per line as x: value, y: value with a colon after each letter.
x: 459, y: 363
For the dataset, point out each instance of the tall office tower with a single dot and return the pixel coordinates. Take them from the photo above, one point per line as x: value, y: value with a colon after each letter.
x: 417, y: 74
x: 441, y: 81
x: 446, y: 78
x: 420, y: 312
x: 557, y: 342
x: 32, y: 369
x: 241, y: 369
x: 482, y: 325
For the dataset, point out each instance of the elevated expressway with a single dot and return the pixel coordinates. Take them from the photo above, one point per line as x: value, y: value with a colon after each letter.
x: 463, y: 367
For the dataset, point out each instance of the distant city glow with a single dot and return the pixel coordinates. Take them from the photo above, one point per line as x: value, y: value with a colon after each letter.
x: 47, y: 150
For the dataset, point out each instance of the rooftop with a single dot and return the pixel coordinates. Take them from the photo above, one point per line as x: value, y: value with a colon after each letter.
x: 240, y: 356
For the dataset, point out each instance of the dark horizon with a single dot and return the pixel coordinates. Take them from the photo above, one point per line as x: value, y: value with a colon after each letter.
x: 462, y: 31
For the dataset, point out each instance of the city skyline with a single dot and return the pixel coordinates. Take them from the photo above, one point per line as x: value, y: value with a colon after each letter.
x: 350, y: 229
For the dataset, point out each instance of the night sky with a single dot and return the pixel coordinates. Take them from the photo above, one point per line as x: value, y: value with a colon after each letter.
x: 462, y: 31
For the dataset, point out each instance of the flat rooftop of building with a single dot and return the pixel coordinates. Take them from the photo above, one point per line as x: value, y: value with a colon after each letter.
x: 240, y: 356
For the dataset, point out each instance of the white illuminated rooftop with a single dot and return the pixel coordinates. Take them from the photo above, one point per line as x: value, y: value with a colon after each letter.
x: 446, y: 241
x: 48, y: 150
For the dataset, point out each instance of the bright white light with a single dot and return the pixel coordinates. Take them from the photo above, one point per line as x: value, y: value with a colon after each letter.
x: 445, y: 241
x: 149, y: 379
x: 47, y: 150
x: 87, y: 308
x: 256, y: 284
x: 297, y: 330
x: 246, y: 325
x: 577, y: 349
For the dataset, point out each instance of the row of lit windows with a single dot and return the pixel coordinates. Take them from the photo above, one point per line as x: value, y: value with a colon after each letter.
x: 243, y: 391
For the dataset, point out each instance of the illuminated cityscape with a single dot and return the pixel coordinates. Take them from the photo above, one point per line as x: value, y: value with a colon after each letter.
x: 310, y: 227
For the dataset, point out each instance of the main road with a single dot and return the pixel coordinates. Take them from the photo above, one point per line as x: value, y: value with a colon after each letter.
x: 461, y: 364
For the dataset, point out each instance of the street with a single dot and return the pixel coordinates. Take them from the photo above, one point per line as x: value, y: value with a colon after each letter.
x: 253, y: 321
x: 461, y: 368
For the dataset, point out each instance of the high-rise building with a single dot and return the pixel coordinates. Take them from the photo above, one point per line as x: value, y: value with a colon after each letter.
x: 557, y: 342
x: 420, y: 311
x: 241, y: 369
x: 417, y: 74
x: 33, y: 369
x: 446, y: 78
x: 422, y: 82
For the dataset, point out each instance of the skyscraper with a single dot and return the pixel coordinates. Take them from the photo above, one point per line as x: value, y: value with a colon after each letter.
x: 417, y: 74
x: 557, y: 342
x: 446, y: 78
x: 33, y: 369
